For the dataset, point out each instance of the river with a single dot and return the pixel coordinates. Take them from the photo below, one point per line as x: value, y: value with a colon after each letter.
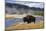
x: 9, y: 22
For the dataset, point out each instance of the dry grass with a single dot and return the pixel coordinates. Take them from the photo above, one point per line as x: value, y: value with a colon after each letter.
x: 9, y: 16
x: 24, y: 26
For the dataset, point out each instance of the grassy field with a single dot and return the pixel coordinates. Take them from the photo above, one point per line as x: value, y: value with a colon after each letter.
x: 39, y: 25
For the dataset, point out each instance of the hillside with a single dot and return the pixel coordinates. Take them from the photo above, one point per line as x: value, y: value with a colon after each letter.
x: 14, y: 8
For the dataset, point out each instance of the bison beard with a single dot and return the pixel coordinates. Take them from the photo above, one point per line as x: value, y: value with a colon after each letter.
x: 29, y: 19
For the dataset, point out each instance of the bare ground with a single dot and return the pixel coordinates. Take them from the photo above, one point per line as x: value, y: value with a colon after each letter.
x: 23, y: 26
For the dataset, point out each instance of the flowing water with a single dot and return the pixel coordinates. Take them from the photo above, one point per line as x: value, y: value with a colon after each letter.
x: 9, y: 22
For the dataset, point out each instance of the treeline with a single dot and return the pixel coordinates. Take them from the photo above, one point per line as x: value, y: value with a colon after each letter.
x: 19, y: 6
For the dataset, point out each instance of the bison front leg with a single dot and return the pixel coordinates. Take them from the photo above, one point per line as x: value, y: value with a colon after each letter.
x: 24, y: 21
x: 28, y: 22
x: 34, y: 22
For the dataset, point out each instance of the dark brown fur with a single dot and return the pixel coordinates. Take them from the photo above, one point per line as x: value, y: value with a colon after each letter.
x: 29, y: 19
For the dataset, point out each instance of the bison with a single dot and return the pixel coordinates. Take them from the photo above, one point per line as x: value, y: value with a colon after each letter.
x: 29, y: 19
